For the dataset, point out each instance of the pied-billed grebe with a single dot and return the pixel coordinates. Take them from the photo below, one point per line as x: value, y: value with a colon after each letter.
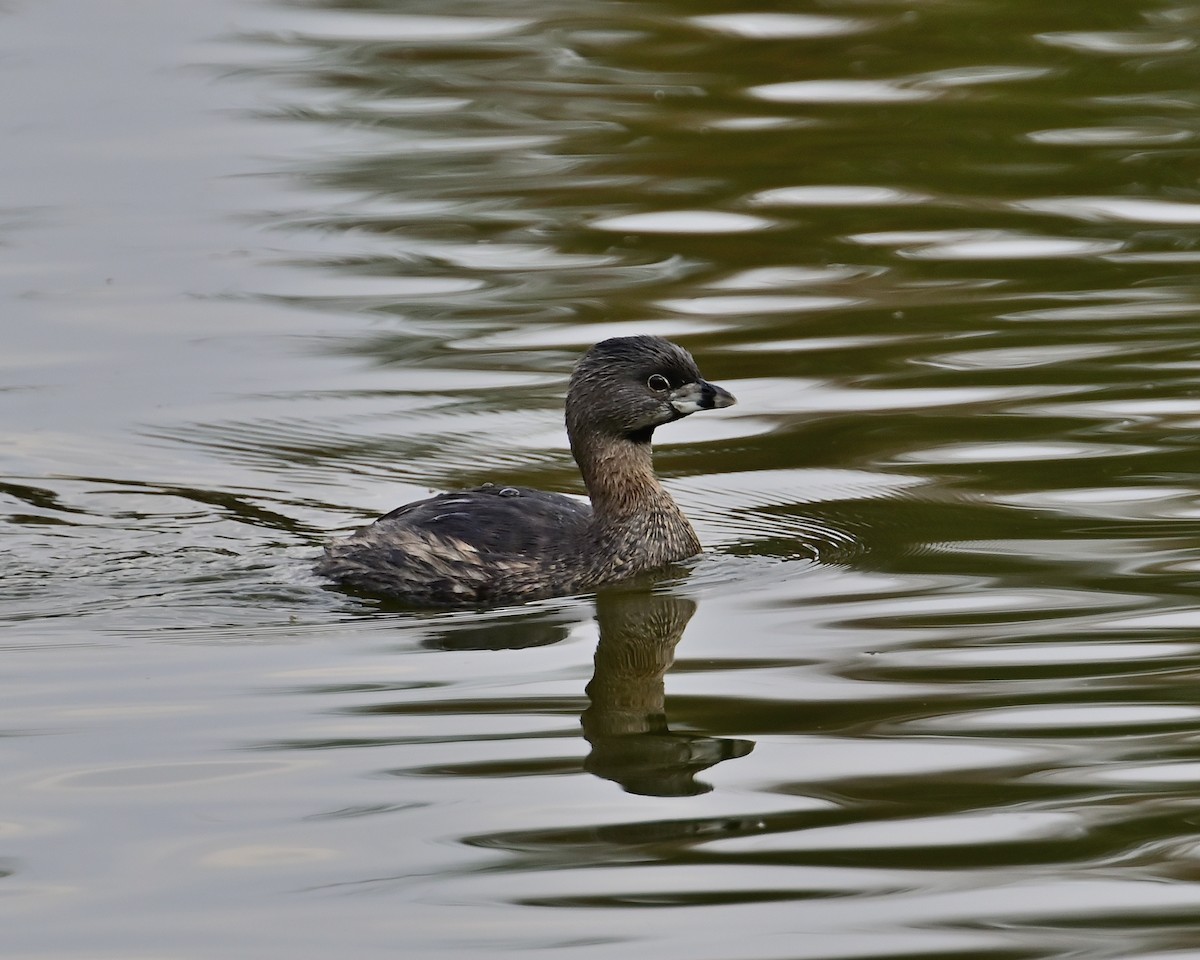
x: 496, y: 545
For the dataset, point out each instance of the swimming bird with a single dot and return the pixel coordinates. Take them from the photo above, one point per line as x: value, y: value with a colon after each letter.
x: 509, y: 544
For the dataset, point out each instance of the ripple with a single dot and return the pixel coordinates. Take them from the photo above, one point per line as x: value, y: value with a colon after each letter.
x: 1159, y: 256
x: 1099, y: 717
x: 396, y: 106
x: 750, y: 510
x: 1012, y: 247
x: 1178, y: 619
x: 780, y: 26
x: 841, y: 91
x: 782, y: 395
x: 977, y: 76
x: 1127, y: 503
x: 1131, y: 408
x: 835, y: 196
x: 768, y: 488
x: 311, y: 284
x: 1019, y: 452
x: 1060, y: 550
x: 1021, y: 358
x: 400, y: 28
x: 754, y: 123
x: 515, y: 256
x: 1102, y: 904
x: 961, y: 830
x: 774, y: 278
x: 1131, y: 136
x: 683, y: 221
x: 814, y: 344
x: 995, y: 604
x: 1117, y: 43
x: 451, y: 167
x: 1146, y: 773
x: 895, y: 238
x: 982, y: 245
x: 914, y: 89
x: 575, y: 334
x: 1128, y: 209
x: 725, y: 306
x: 491, y: 143
x: 1043, y: 654
x: 1140, y: 309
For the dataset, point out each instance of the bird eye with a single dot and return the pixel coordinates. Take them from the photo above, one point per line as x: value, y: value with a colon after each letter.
x: 658, y: 382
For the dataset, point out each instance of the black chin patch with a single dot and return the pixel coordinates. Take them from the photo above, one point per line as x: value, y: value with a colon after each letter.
x: 641, y: 436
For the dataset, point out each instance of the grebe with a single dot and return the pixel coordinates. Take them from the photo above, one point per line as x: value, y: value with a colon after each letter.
x: 507, y: 544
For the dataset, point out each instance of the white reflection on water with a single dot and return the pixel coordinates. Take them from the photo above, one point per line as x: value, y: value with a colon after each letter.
x: 1009, y: 452
x: 1135, y: 209
x: 781, y: 26
x: 355, y: 25
x: 1027, y: 653
x: 813, y: 396
x: 913, y: 89
x: 842, y: 91
x: 1112, y: 136
x: 1129, y: 503
x: 776, y: 278
x: 550, y: 335
x: 1095, y: 717
x: 1012, y: 247
x: 984, y: 245
x: 1118, y: 44
x: 999, y: 358
x: 1137, y: 774
x: 683, y: 221
x: 834, y: 196
x: 730, y: 305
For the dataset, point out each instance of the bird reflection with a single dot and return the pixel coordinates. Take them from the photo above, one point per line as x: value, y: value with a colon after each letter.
x: 626, y: 723
x: 508, y: 633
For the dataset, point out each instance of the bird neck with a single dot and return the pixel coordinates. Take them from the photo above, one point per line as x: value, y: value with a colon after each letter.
x: 636, y: 525
x: 619, y: 475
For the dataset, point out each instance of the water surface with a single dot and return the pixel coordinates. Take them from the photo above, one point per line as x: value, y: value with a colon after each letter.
x: 271, y: 269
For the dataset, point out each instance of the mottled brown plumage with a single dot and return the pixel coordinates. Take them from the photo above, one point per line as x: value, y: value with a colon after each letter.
x: 497, y: 545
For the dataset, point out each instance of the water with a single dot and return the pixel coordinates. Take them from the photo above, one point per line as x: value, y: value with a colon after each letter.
x: 270, y: 269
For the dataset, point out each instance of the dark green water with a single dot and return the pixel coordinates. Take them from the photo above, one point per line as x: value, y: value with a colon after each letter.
x: 270, y: 269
